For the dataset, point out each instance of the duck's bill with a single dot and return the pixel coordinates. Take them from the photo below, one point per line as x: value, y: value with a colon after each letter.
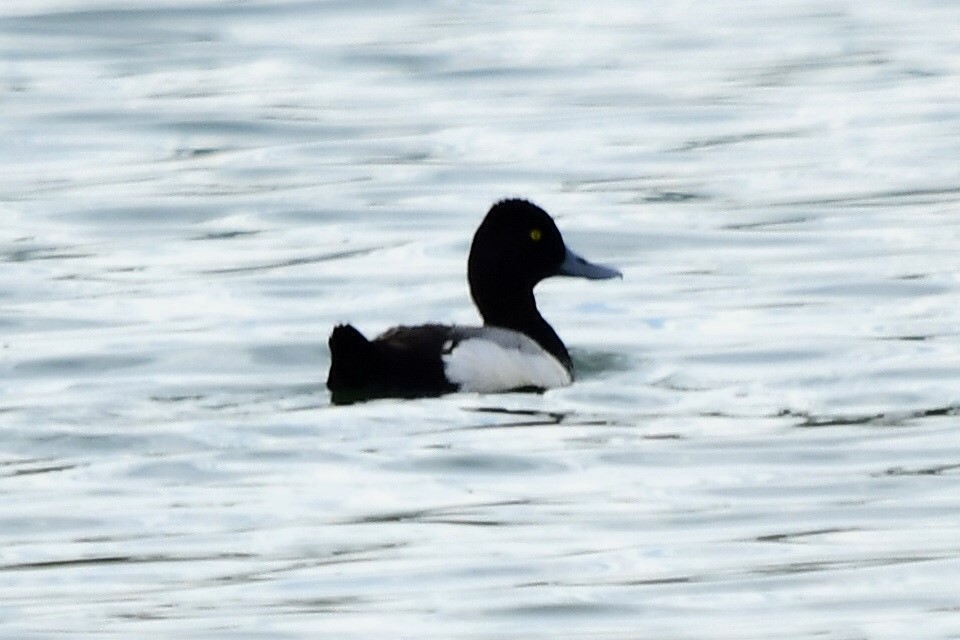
x: 578, y: 267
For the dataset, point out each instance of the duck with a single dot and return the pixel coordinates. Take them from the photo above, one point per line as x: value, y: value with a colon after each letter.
x: 516, y: 246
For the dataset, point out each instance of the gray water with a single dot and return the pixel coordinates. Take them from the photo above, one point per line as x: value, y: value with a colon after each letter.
x: 763, y: 440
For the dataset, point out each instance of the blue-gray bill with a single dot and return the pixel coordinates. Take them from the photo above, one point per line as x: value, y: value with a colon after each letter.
x: 579, y: 267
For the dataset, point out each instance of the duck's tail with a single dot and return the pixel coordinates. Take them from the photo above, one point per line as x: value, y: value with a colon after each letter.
x: 350, y: 355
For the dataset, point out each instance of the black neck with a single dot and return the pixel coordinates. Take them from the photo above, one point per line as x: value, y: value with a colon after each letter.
x: 515, y: 308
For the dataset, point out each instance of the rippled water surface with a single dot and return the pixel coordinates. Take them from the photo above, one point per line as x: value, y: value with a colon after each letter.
x: 763, y: 441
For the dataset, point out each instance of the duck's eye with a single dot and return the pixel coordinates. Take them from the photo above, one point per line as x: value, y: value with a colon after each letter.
x: 535, y: 235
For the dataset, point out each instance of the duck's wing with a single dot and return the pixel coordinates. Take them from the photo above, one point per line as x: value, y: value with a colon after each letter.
x: 426, y: 339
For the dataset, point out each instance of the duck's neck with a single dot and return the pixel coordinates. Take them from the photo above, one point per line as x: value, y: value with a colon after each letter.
x: 516, y: 309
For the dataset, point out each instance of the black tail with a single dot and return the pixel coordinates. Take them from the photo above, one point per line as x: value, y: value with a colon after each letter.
x: 350, y: 359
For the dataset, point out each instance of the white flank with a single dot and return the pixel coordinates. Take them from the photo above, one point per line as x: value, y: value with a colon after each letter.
x: 487, y: 366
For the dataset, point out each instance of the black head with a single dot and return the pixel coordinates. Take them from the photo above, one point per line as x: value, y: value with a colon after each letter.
x: 516, y: 246
x: 517, y: 242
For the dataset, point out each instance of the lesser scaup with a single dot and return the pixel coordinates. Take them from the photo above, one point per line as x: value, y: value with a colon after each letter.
x: 516, y: 246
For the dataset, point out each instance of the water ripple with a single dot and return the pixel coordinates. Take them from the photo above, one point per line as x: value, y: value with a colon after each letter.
x: 761, y: 440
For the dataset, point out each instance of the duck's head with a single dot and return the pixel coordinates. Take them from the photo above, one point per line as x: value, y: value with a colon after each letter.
x: 516, y: 246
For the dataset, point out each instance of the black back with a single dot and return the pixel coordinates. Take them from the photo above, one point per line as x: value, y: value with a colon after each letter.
x: 402, y: 362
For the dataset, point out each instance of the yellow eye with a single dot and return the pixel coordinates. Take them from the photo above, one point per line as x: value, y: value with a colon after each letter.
x: 535, y: 235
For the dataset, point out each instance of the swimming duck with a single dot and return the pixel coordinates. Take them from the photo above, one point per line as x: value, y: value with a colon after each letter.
x: 516, y: 246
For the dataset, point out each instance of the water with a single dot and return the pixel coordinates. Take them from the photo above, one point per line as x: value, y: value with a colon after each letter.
x: 763, y: 440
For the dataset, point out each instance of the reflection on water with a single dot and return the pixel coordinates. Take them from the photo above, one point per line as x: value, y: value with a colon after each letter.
x: 762, y: 437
